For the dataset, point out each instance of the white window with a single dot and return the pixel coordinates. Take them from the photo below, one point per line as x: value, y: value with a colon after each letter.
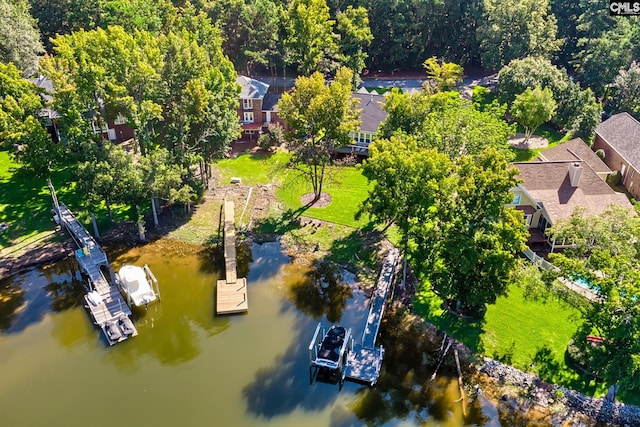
x: 247, y: 104
x: 516, y: 199
x: 248, y: 117
x: 268, y: 118
x: 120, y: 120
x: 527, y: 220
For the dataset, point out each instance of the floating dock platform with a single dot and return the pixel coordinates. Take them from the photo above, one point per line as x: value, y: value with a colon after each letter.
x: 363, y: 360
x: 107, y: 307
x: 231, y: 293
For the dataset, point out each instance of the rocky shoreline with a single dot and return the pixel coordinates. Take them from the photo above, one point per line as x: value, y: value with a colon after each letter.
x: 557, y: 397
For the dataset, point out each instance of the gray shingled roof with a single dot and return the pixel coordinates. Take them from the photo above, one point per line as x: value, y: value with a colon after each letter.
x: 270, y: 102
x: 548, y: 182
x: 576, y: 149
x: 251, y: 88
x: 372, y: 113
x: 622, y: 133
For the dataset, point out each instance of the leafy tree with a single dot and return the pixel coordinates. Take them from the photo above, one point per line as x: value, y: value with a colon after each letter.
x: 355, y: 36
x: 605, y: 255
x: 471, y: 250
x: 598, y: 60
x: 107, y: 174
x: 516, y: 29
x: 529, y: 72
x: 65, y: 17
x: 626, y: 90
x: 20, y: 104
x: 310, y: 38
x: 447, y: 122
x: 532, y: 108
x: 149, y: 15
x: 410, y: 181
x: 578, y: 110
x: 319, y: 117
x: 261, y: 20
x: 19, y: 36
x: 463, y: 240
x: 445, y: 74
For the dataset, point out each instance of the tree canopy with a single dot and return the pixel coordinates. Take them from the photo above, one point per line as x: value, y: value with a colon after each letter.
x: 532, y: 108
x: 463, y: 240
x: 319, y: 117
x: 605, y: 256
x: 19, y: 36
x: 446, y: 121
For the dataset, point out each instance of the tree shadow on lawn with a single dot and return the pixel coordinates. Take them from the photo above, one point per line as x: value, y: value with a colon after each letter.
x: 359, y: 249
x: 466, y: 330
x: 550, y: 369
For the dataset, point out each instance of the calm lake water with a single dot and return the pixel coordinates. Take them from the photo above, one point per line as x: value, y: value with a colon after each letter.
x: 189, y: 367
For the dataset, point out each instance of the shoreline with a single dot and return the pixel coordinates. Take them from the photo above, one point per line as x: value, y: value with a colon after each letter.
x: 506, y: 388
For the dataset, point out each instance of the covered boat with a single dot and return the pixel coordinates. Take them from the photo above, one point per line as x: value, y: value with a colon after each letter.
x: 331, y: 348
x: 135, y: 282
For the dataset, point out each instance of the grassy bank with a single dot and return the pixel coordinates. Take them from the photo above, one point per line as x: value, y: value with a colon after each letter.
x: 25, y: 204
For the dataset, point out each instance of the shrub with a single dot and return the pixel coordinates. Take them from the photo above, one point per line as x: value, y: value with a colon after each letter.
x: 600, y: 153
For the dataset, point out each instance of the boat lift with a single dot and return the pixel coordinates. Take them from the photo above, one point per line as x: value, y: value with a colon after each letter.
x: 326, y: 359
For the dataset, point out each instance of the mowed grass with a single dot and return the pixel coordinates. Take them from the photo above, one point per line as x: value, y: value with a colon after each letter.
x: 347, y: 186
x: 254, y: 169
x: 26, y: 203
x: 531, y: 335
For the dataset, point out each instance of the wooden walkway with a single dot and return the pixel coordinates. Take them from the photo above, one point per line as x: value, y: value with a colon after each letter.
x: 104, y: 301
x: 365, y: 360
x: 231, y: 293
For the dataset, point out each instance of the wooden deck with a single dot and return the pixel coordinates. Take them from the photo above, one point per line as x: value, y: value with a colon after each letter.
x: 231, y: 293
x: 104, y: 301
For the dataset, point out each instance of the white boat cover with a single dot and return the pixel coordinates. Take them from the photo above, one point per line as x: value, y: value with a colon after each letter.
x: 135, y: 284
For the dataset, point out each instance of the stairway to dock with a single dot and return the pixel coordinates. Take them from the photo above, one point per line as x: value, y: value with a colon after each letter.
x: 231, y: 293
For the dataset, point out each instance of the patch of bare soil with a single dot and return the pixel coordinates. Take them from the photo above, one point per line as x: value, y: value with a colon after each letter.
x: 519, y: 141
x: 322, y: 202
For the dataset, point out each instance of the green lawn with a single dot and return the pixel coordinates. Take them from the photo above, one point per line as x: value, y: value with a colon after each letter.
x: 529, y: 335
x: 254, y: 169
x: 346, y: 185
x: 550, y: 133
x: 25, y: 204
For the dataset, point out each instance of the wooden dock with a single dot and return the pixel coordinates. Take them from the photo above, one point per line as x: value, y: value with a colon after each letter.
x: 231, y: 293
x: 106, y: 305
x: 364, y: 360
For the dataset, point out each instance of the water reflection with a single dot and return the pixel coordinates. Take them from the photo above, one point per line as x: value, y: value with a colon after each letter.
x: 321, y: 291
x: 27, y: 297
x: 195, y: 368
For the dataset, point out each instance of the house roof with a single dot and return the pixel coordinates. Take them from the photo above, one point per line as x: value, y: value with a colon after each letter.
x: 251, y: 88
x: 576, y: 149
x: 371, y: 114
x: 548, y: 183
x: 270, y: 102
x: 622, y: 133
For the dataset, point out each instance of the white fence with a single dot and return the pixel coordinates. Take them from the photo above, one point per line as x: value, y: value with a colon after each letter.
x: 538, y: 260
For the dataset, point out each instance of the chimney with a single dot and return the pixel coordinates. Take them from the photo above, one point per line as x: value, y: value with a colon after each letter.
x: 575, y: 171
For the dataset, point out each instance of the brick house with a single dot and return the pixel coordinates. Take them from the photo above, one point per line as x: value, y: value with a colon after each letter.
x: 115, y: 131
x: 619, y: 138
x: 256, y: 107
x: 555, y: 184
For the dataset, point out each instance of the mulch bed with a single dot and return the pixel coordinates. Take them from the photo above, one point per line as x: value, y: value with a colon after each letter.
x: 322, y: 202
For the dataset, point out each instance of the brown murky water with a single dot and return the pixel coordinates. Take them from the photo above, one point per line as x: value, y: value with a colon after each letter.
x: 189, y: 367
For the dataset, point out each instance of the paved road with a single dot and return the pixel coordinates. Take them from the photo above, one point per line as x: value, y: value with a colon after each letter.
x: 372, y: 82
